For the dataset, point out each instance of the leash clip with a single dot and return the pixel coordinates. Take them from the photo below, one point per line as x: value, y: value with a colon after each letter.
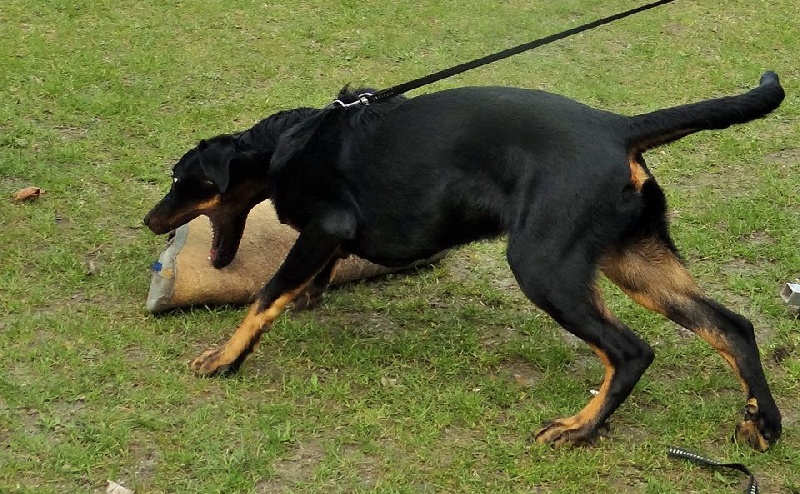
x: 363, y: 99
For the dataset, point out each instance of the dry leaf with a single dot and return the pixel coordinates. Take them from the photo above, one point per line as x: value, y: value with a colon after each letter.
x: 115, y: 488
x: 27, y: 194
x: 388, y: 382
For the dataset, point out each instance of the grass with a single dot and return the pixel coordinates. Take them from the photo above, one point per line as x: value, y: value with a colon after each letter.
x: 428, y: 383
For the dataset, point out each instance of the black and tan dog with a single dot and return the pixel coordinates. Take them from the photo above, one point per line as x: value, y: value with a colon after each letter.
x: 402, y: 179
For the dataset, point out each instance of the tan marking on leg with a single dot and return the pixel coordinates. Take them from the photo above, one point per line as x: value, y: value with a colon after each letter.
x: 658, y: 281
x: 638, y: 174
x: 589, y: 413
x: 747, y: 431
x: 581, y: 425
x: 245, y: 337
x: 253, y: 325
x: 723, y: 347
x: 661, y: 280
x: 651, y: 275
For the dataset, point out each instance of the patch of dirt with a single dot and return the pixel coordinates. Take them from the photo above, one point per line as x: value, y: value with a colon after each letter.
x: 10, y: 183
x: 298, y: 466
x: 495, y: 336
x: 616, y: 46
x: 690, y: 183
x: 781, y: 353
x: 366, y: 469
x: 520, y: 372
x: 68, y: 409
x: 785, y: 157
x: 136, y: 356
x: 31, y: 421
x: 377, y: 324
x: 625, y: 478
x: 739, y: 266
x: 77, y: 303
x: 55, y: 424
x: 483, y: 260
x: 70, y: 133
x: 759, y: 237
x: 20, y: 373
x: 454, y: 438
x: 788, y: 416
x: 128, y: 234
x: 147, y: 458
x: 146, y: 467
x: 676, y: 29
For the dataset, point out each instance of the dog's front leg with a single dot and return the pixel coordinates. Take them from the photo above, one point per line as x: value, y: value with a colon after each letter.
x: 314, y: 249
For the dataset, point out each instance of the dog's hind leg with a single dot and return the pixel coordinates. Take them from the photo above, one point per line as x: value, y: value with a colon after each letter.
x: 560, y: 280
x: 649, y: 271
x: 314, y: 250
x: 312, y: 295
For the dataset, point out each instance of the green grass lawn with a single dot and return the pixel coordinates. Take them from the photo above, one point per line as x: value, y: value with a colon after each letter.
x: 426, y: 383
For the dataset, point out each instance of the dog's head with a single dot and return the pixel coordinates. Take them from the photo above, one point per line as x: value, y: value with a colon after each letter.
x: 217, y: 180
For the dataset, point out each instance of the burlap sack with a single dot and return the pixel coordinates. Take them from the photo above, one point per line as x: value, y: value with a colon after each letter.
x: 183, y: 276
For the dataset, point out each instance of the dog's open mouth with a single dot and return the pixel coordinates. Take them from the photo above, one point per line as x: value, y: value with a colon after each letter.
x: 213, y: 253
x: 226, y: 234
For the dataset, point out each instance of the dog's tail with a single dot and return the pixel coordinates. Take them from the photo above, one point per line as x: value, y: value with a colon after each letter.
x: 670, y: 124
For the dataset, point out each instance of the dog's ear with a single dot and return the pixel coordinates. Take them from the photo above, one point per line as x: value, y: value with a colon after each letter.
x: 242, y: 163
x: 218, y: 172
x: 215, y: 161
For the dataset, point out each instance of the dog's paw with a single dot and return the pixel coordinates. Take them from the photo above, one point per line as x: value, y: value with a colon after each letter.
x: 567, y: 431
x: 211, y: 363
x: 749, y: 430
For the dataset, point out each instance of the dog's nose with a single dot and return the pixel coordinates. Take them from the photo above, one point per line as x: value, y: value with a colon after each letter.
x: 149, y: 220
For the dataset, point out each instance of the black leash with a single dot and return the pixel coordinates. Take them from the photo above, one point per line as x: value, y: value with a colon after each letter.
x: 673, y: 452
x: 368, y: 98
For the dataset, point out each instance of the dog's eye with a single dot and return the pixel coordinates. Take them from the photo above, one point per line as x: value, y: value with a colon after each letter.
x: 174, y: 180
x: 209, y: 183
